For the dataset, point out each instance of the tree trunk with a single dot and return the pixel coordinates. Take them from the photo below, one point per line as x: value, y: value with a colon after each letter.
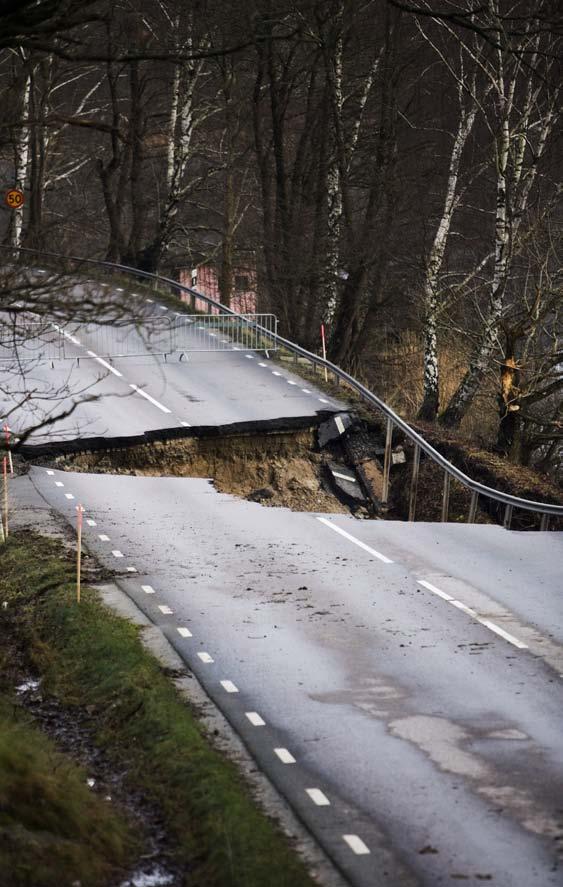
x: 462, y: 398
x: 21, y: 161
x: 431, y: 398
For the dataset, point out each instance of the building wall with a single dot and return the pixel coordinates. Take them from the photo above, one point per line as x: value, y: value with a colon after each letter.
x: 204, y: 278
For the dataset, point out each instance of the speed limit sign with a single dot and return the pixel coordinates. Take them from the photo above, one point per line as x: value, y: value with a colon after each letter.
x: 14, y: 198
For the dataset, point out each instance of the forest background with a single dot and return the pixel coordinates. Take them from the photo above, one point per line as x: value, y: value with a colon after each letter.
x: 390, y: 169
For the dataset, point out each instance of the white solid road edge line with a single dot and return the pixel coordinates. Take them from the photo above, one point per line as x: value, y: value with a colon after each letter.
x: 492, y: 626
x: 503, y: 634
x: 434, y: 590
x: 318, y: 797
x: 344, y: 476
x: 104, y: 363
x: 255, y: 719
x: 353, y: 539
x: 356, y: 844
x: 148, y: 397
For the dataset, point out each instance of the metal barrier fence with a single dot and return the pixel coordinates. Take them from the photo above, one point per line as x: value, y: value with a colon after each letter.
x: 224, y: 332
x: 165, y: 335
x: 30, y: 341
x: 73, y: 264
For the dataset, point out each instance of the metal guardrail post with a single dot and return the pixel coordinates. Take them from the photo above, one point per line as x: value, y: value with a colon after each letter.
x: 507, y: 516
x: 387, y: 462
x: 446, y: 497
x: 414, y: 482
x: 473, y: 507
x: 544, y: 523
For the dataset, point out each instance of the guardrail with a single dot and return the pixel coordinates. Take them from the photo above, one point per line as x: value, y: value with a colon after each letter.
x: 510, y: 502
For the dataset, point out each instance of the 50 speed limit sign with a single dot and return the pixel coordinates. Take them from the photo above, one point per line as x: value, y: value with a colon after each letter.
x: 14, y: 198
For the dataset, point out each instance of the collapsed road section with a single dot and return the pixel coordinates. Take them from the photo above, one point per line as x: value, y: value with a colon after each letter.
x: 289, y: 462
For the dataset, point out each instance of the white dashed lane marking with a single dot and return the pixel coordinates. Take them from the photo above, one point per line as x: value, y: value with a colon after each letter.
x: 117, y: 553
x: 131, y: 569
x: 322, y: 400
x: 91, y: 522
x: 69, y: 496
x: 284, y: 755
x: 356, y: 844
x: 50, y: 473
x: 229, y: 686
x: 148, y: 589
x: 59, y: 483
x: 255, y: 719
x: 318, y: 797
x: 165, y: 610
x: 275, y: 373
x: 305, y: 391
x: 103, y: 538
x: 184, y: 632
x: 149, y: 398
x: 357, y: 542
x: 205, y: 657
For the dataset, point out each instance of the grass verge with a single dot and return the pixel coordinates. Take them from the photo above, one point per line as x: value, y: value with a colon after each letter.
x: 53, y: 829
x: 93, y: 660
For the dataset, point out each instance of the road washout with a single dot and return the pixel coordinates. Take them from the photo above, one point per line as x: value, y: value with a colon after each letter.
x: 280, y: 469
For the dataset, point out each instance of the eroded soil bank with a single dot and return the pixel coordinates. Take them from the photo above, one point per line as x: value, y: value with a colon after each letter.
x: 277, y: 469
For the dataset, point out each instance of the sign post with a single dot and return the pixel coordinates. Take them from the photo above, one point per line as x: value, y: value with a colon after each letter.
x: 80, y: 512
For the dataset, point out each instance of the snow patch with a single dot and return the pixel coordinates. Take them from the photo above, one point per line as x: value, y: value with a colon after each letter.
x: 156, y: 877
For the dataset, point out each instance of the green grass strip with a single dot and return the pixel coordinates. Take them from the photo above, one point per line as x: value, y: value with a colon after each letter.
x: 90, y: 657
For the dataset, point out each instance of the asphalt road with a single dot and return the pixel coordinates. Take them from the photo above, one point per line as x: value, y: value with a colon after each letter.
x: 146, y: 391
x: 400, y: 684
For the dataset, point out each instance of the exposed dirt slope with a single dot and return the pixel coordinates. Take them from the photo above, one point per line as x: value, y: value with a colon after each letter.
x: 279, y: 469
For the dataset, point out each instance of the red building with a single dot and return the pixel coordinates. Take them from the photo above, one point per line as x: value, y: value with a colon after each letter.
x: 204, y: 279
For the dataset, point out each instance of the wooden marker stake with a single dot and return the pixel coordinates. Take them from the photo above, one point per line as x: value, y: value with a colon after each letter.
x: 323, y: 340
x: 80, y: 512
x: 5, y: 475
x: 7, y: 433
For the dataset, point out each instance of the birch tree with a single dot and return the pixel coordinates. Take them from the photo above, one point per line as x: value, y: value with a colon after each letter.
x: 466, y: 84
x: 521, y: 117
x: 20, y: 144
